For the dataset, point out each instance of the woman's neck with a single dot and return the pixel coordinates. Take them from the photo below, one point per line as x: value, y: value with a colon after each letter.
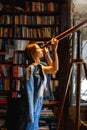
x: 37, y: 61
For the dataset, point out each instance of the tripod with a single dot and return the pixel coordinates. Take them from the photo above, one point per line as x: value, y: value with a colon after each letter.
x: 78, y: 62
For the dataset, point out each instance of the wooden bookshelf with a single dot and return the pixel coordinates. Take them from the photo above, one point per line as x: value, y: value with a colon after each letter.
x: 23, y: 22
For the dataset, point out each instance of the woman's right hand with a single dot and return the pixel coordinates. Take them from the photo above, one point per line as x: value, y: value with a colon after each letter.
x: 54, y: 43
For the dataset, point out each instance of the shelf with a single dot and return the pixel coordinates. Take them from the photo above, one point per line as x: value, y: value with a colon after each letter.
x: 3, y: 53
x: 23, y: 22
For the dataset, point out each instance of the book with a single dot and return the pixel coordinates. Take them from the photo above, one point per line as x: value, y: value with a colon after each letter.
x: 6, y: 84
x: 44, y: 128
x: 46, y: 113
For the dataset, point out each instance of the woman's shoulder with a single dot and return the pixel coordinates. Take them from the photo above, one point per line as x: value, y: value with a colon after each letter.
x: 33, y: 65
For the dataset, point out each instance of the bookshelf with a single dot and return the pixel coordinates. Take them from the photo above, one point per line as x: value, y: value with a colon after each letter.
x: 36, y: 20
x: 23, y: 22
x: 5, y: 83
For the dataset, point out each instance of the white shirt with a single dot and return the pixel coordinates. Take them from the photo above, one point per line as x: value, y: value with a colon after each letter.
x: 43, y: 87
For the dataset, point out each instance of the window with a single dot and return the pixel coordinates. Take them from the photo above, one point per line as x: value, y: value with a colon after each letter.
x: 83, y: 70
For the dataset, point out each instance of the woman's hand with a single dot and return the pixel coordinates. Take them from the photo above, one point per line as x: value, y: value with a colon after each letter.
x: 53, y: 62
x: 54, y: 43
x: 47, y: 56
x: 46, y: 51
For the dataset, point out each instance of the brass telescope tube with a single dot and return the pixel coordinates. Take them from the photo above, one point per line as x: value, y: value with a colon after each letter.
x: 67, y: 32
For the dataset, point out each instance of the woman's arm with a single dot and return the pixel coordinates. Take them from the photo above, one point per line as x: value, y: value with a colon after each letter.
x: 54, y: 66
x: 47, y: 56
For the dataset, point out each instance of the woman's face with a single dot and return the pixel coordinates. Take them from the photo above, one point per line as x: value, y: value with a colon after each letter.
x: 39, y: 52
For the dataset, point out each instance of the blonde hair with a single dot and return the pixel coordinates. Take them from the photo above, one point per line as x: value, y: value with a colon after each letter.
x: 30, y: 51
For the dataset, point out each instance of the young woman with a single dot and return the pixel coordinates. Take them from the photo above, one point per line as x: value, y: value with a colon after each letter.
x: 36, y: 82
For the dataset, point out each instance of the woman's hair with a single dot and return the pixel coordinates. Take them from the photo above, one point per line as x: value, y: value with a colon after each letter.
x: 29, y: 51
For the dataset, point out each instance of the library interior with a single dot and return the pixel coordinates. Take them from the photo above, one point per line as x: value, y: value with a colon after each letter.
x: 23, y: 23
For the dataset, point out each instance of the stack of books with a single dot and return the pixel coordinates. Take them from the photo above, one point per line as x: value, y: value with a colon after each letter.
x: 43, y: 125
x: 46, y: 113
x: 47, y: 120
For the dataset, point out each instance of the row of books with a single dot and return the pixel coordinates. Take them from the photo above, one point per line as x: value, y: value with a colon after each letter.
x: 4, y: 42
x: 20, y: 45
x: 4, y: 84
x: 42, y: 32
x: 40, y: 6
x: 19, y: 58
x: 46, y: 113
x: 16, y: 84
x: 26, y: 32
x: 6, y: 19
x: 28, y: 20
x: 5, y: 32
x: 4, y: 70
x: 11, y: 50
x: 47, y: 120
x: 18, y: 71
x: 36, y: 20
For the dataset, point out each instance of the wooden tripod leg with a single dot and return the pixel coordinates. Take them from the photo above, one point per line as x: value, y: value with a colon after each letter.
x: 78, y: 86
x: 64, y: 97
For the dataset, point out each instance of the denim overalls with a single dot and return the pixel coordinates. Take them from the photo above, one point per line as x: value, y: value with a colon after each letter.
x: 34, y: 81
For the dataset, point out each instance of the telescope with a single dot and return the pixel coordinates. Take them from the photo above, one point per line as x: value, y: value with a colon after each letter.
x: 67, y: 32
